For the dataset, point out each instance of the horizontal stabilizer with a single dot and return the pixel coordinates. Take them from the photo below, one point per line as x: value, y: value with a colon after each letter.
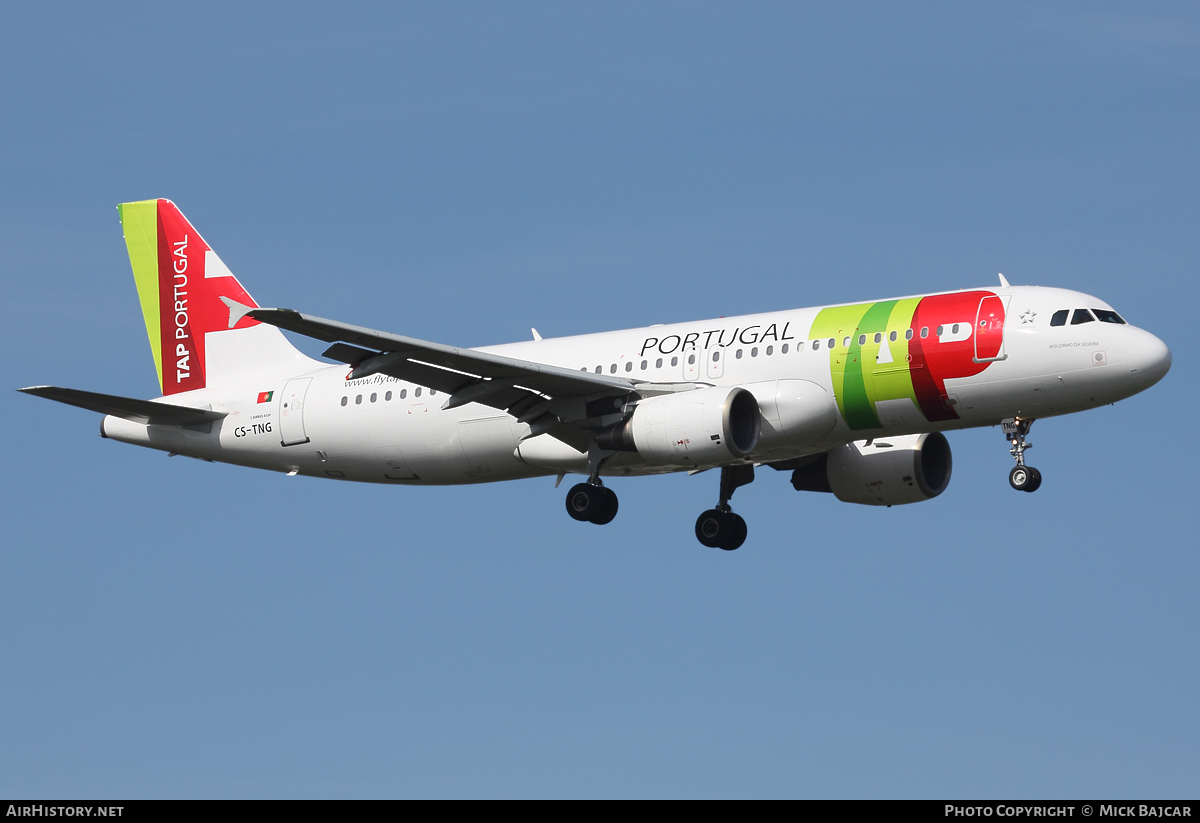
x: 139, y: 411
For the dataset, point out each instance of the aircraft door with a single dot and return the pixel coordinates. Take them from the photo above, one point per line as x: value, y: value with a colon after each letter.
x: 989, y: 329
x: 714, y: 362
x: 291, y: 412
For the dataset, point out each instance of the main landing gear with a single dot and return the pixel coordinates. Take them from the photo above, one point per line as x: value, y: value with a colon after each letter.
x: 1022, y: 478
x: 593, y: 502
x: 720, y: 528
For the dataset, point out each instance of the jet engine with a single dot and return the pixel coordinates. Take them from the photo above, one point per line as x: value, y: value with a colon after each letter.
x: 704, y: 427
x: 887, y: 471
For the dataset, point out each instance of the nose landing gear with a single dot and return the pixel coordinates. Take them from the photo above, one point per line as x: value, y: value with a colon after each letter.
x: 720, y: 528
x: 1022, y: 478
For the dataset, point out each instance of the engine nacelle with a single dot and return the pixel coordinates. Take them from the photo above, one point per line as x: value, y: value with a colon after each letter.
x: 888, y: 471
x: 705, y: 427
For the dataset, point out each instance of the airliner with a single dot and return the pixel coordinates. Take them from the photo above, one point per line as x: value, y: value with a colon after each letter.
x: 850, y: 399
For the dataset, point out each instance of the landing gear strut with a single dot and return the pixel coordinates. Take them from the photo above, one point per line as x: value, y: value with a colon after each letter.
x: 720, y: 528
x: 593, y: 502
x: 1022, y: 478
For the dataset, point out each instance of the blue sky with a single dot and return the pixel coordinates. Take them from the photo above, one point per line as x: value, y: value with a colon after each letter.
x: 462, y: 172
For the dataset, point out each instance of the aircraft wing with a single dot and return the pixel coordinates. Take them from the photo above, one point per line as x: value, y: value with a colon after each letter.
x: 527, y: 390
x: 140, y: 411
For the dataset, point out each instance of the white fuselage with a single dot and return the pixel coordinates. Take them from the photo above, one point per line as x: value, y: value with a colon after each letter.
x: 383, y: 430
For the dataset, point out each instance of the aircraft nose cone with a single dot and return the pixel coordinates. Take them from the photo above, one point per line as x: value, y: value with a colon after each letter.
x: 1148, y: 357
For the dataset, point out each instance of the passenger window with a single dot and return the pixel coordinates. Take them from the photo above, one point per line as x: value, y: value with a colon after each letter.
x: 784, y: 348
x: 738, y: 354
x: 629, y: 366
x: 358, y: 400
x: 954, y: 329
x: 432, y: 392
x: 770, y: 350
x: 832, y: 342
x: 612, y: 369
x: 658, y: 363
x: 1081, y: 316
x: 754, y: 352
x: 845, y: 342
x: 924, y: 331
x: 674, y: 361
x: 1108, y: 316
x: 691, y: 359
x: 344, y: 399
x: 387, y: 396
x: 939, y: 330
x: 644, y: 364
x: 816, y: 345
x: 878, y: 338
x: 862, y: 340
x: 374, y: 397
x: 417, y: 392
x: 892, y: 336
x: 716, y: 356
x: 403, y: 393
x: 599, y: 369
x: 908, y: 335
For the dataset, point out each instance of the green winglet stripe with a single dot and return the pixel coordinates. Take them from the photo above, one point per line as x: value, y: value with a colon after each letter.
x: 139, y: 222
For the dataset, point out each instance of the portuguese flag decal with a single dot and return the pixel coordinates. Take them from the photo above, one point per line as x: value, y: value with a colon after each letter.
x: 265, y: 396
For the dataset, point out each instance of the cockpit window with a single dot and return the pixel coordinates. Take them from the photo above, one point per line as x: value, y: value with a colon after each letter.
x: 1108, y: 316
x: 1060, y: 317
x: 1081, y: 316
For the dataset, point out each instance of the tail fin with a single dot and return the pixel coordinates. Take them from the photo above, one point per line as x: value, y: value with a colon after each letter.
x: 198, y: 339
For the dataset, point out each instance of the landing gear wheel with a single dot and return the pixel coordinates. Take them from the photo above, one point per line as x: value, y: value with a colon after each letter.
x: 1035, y: 480
x: 608, y: 507
x: 714, y: 528
x: 1025, y: 478
x: 721, y: 530
x: 594, y: 504
x: 739, y: 533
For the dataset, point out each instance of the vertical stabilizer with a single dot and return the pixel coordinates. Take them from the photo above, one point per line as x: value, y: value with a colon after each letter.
x: 184, y: 288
